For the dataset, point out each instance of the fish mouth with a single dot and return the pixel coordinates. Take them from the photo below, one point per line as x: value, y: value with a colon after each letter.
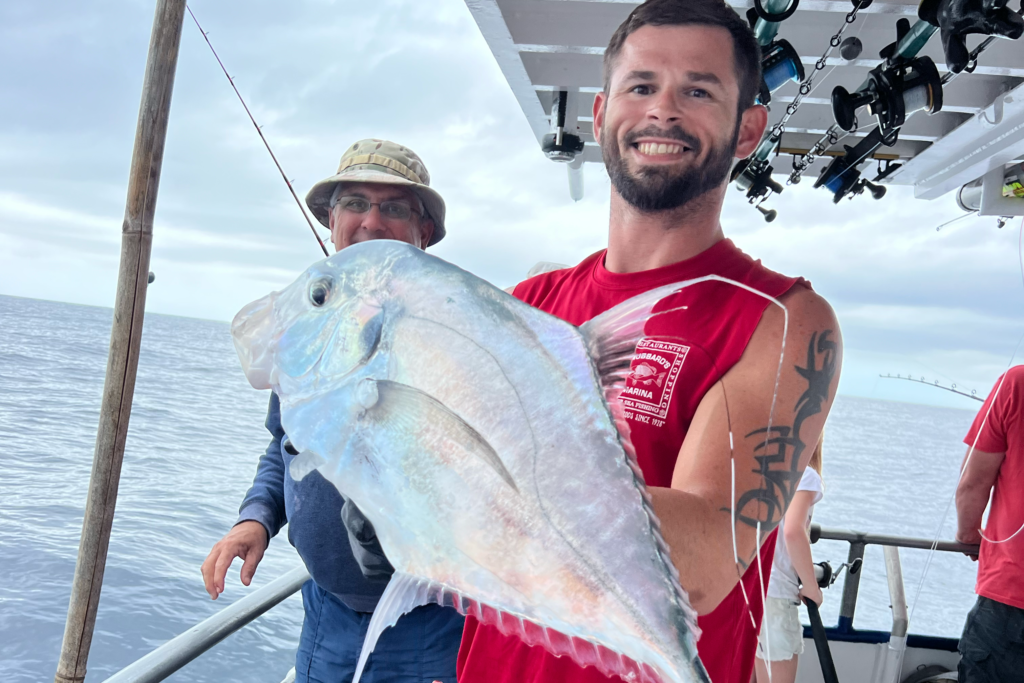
x: 252, y: 331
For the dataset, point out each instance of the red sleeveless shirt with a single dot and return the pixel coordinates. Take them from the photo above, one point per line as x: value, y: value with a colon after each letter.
x: 683, y: 354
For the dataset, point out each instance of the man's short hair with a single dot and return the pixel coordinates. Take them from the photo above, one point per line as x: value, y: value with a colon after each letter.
x: 746, y: 51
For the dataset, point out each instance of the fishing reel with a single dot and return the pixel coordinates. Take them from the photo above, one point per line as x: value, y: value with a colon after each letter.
x: 891, y: 94
x: 894, y: 90
x: 958, y: 18
x: 755, y: 178
x: 826, y: 576
x: 780, y: 64
x: 561, y: 145
x: 842, y: 178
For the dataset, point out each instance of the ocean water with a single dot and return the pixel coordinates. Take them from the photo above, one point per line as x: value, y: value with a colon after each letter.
x: 196, y: 434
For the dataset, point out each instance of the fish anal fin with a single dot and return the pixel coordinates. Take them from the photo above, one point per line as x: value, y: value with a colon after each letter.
x: 404, y: 407
x: 403, y: 594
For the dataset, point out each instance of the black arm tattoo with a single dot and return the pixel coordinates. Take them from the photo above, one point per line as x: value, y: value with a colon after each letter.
x: 780, y: 447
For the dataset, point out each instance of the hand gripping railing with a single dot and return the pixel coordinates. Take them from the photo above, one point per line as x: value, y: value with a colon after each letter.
x: 182, y: 649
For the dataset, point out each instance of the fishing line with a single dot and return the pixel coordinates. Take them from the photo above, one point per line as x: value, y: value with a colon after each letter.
x: 259, y: 130
x: 970, y: 452
x: 728, y: 417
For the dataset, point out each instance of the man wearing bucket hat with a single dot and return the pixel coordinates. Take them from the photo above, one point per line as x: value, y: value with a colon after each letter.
x: 381, y: 191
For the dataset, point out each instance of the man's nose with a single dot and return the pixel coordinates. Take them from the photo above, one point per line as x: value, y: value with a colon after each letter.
x: 664, y: 107
x: 372, y: 220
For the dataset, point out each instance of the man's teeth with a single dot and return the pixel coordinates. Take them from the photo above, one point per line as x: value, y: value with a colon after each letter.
x: 656, y: 148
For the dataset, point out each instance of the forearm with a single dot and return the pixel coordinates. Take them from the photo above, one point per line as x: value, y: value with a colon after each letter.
x: 264, y: 502
x: 970, y: 507
x: 799, y: 547
x: 699, y: 537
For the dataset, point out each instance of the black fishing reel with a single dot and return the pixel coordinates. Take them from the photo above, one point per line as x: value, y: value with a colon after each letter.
x: 958, y: 18
x: 894, y: 89
x: 891, y: 94
x: 826, y: 576
x: 780, y: 64
x: 841, y: 176
x: 755, y: 178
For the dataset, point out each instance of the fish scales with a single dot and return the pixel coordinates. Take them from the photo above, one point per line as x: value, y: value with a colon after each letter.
x: 473, y: 431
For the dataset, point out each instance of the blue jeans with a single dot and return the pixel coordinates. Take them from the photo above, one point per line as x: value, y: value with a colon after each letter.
x: 420, y: 648
x: 992, y: 644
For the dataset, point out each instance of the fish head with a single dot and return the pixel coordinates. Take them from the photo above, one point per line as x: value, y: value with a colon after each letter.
x: 321, y: 332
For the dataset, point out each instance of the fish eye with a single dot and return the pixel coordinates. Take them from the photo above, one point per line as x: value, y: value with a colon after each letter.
x: 319, y: 290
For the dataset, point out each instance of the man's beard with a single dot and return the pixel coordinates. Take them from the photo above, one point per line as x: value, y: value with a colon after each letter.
x: 660, y: 188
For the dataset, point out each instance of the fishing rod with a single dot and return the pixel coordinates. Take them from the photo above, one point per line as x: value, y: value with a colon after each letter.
x: 973, y: 394
x: 259, y: 129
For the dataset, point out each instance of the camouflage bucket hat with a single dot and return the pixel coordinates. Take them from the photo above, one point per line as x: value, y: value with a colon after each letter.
x: 380, y: 161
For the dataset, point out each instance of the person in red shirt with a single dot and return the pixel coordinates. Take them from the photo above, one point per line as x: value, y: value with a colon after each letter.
x: 992, y: 644
x: 677, y: 107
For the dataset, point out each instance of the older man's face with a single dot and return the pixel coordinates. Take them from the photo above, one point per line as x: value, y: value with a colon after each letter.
x: 349, y: 227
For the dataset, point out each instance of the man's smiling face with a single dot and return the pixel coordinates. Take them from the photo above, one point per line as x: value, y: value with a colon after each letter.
x: 669, y: 122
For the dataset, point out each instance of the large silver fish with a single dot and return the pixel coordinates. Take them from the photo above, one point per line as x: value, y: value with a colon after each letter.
x: 481, y: 438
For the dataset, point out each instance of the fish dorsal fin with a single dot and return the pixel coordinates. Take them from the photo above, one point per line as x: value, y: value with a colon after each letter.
x: 612, y: 337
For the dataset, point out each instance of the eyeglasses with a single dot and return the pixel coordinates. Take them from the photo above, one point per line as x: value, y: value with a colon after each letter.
x: 391, y: 209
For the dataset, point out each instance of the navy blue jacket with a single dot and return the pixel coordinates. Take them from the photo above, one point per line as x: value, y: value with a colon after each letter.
x: 312, y: 510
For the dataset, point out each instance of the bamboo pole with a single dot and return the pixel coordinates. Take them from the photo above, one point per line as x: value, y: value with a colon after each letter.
x: 126, y: 334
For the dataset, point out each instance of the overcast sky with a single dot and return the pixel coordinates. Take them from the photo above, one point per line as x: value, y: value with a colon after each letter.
x: 319, y: 75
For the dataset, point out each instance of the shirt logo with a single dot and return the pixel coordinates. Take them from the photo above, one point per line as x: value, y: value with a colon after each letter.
x: 652, y: 377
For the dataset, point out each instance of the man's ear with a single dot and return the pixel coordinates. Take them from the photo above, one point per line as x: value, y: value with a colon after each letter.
x: 330, y: 223
x: 599, y: 101
x: 752, y: 124
x: 427, y: 230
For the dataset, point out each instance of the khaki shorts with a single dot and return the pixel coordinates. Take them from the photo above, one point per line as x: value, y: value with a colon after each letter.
x: 782, y: 635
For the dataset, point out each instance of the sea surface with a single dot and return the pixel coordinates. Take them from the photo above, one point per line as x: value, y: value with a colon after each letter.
x: 195, y: 437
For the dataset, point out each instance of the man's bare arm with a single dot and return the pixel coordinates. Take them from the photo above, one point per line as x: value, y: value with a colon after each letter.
x: 979, y: 472
x: 770, y: 448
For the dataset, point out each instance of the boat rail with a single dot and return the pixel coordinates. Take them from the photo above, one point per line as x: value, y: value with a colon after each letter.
x: 858, y: 542
x: 182, y: 649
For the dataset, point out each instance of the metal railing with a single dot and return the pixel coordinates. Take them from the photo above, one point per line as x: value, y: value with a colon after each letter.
x: 858, y: 542
x: 182, y: 649
x: 179, y: 651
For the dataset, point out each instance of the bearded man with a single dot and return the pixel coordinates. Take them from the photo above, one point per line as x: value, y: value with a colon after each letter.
x: 728, y: 423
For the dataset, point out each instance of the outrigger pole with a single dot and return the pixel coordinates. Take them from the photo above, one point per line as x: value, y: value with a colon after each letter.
x: 125, y: 337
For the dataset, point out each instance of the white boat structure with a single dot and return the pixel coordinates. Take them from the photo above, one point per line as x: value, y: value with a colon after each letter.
x: 964, y: 131
x: 843, y: 117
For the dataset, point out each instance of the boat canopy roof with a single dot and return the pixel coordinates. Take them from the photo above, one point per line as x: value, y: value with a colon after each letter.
x: 547, y: 47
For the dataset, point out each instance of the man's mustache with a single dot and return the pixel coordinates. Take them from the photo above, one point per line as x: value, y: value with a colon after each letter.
x: 673, y: 133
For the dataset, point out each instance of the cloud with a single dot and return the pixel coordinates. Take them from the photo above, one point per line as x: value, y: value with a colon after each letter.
x: 319, y: 75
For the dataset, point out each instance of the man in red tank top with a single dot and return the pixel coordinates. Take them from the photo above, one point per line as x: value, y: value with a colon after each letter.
x: 677, y: 107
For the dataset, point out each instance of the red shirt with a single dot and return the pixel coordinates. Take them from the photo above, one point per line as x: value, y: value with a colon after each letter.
x: 682, y: 355
x: 1001, y: 565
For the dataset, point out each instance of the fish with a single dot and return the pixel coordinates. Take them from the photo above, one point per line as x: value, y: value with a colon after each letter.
x: 483, y: 440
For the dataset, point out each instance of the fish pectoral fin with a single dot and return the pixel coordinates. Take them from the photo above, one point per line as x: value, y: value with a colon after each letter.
x: 304, y: 463
x: 403, y: 594
x: 407, y: 409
